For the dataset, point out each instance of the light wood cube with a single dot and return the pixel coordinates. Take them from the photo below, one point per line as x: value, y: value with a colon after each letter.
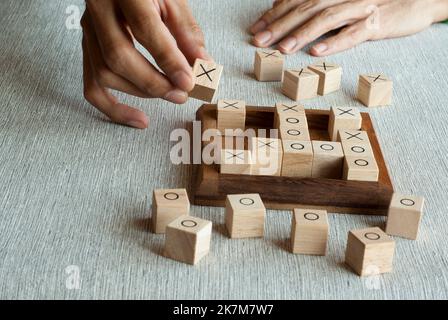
x: 294, y: 133
x: 297, y: 159
x: 282, y: 108
x: 328, y: 160
x: 375, y: 90
x: 360, y: 169
x: 235, y: 161
x: 207, y: 75
x: 404, y: 216
x: 300, y: 84
x: 188, y: 239
x: 245, y: 214
x: 354, y: 136
x: 231, y: 114
x: 267, y: 156
x: 168, y: 205
x: 330, y: 76
x: 343, y: 118
x: 309, y: 232
x: 355, y: 149
x: 290, y: 121
x: 268, y: 65
x: 369, y: 251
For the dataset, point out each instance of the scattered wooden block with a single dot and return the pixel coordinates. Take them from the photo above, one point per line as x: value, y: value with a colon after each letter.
x: 300, y: 84
x: 330, y: 76
x: 245, y: 215
x: 292, y: 133
x: 207, y: 75
x: 328, y: 160
x: 231, y: 115
x: 188, y: 239
x: 268, y: 65
x: 235, y: 161
x: 297, y: 159
x: 354, y: 136
x: 168, y: 205
x: 355, y: 149
x: 309, y: 232
x: 404, y: 216
x: 343, y: 118
x: 360, y: 169
x: 267, y: 156
x: 375, y: 90
x: 369, y: 251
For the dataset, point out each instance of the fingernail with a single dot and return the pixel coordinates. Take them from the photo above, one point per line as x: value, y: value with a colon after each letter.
x: 176, y: 96
x: 183, y: 80
x: 263, y: 37
x: 136, y: 124
x: 320, y: 48
x: 259, y: 26
x: 288, y: 44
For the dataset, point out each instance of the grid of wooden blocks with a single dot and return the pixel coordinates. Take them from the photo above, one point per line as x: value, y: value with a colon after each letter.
x: 348, y: 155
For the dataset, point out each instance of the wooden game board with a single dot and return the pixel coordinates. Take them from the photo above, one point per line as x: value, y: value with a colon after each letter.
x: 210, y: 188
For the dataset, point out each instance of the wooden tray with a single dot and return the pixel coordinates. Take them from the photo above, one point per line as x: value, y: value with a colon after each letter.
x: 210, y: 188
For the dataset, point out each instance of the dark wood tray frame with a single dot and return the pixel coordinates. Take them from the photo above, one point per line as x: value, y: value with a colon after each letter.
x: 210, y: 188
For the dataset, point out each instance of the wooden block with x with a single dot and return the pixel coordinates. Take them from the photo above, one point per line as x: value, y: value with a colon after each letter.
x: 268, y: 65
x: 330, y: 75
x: 207, y: 75
x: 235, y: 161
x: 299, y: 84
x: 343, y: 118
x: 375, y: 90
x: 231, y: 114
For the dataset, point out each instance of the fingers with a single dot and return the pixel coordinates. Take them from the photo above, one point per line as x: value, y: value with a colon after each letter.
x: 186, y: 31
x: 123, y: 59
x: 328, y: 19
x: 348, y: 38
x: 295, y: 18
x: 279, y: 10
x: 149, y: 29
x: 105, y: 102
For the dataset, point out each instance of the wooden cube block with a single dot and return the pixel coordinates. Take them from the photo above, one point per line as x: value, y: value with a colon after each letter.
x: 267, y: 156
x: 353, y: 136
x: 330, y: 75
x: 404, y: 216
x: 291, y: 121
x: 375, y: 90
x: 343, y: 118
x: 356, y: 149
x: 235, y: 161
x: 188, y: 239
x: 294, y: 133
x: 309, y: 232
x: 283, y: 109
x: 245, y: 215
x: 369, y: 251
x: 268, y: 65
x: 168, y: 205
x: 207, y: 75
x: 328, y: 159
x: 231, y: 114
x: 300, y: 84
x: 360, y: 169
x: 297, y: 159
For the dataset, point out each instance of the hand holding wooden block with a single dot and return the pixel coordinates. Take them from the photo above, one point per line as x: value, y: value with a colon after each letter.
x: 360, y: 169
x: 328, y: 159
x: 245, y: 214
x: 300, y: 84
x: 330, y: 75
x: 236, y: 161
x: 309, y: 232
x: 188, y: 239
x: 168, y: 205
x: 369, y: 251
x: 268, y: 65
x: 297, y: 159
x: 375, y: 90
x: 404, y: 216
x: 343, y: 118
x: 207, y: 75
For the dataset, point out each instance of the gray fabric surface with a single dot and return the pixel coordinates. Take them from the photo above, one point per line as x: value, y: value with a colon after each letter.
x: 76, y: 190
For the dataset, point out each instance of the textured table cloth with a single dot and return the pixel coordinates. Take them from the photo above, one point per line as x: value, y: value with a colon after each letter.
x: 75, y: 190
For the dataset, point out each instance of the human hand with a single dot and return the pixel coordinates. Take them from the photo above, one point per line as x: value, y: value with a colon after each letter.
x: 293, y: 24
x: 167, y: 30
